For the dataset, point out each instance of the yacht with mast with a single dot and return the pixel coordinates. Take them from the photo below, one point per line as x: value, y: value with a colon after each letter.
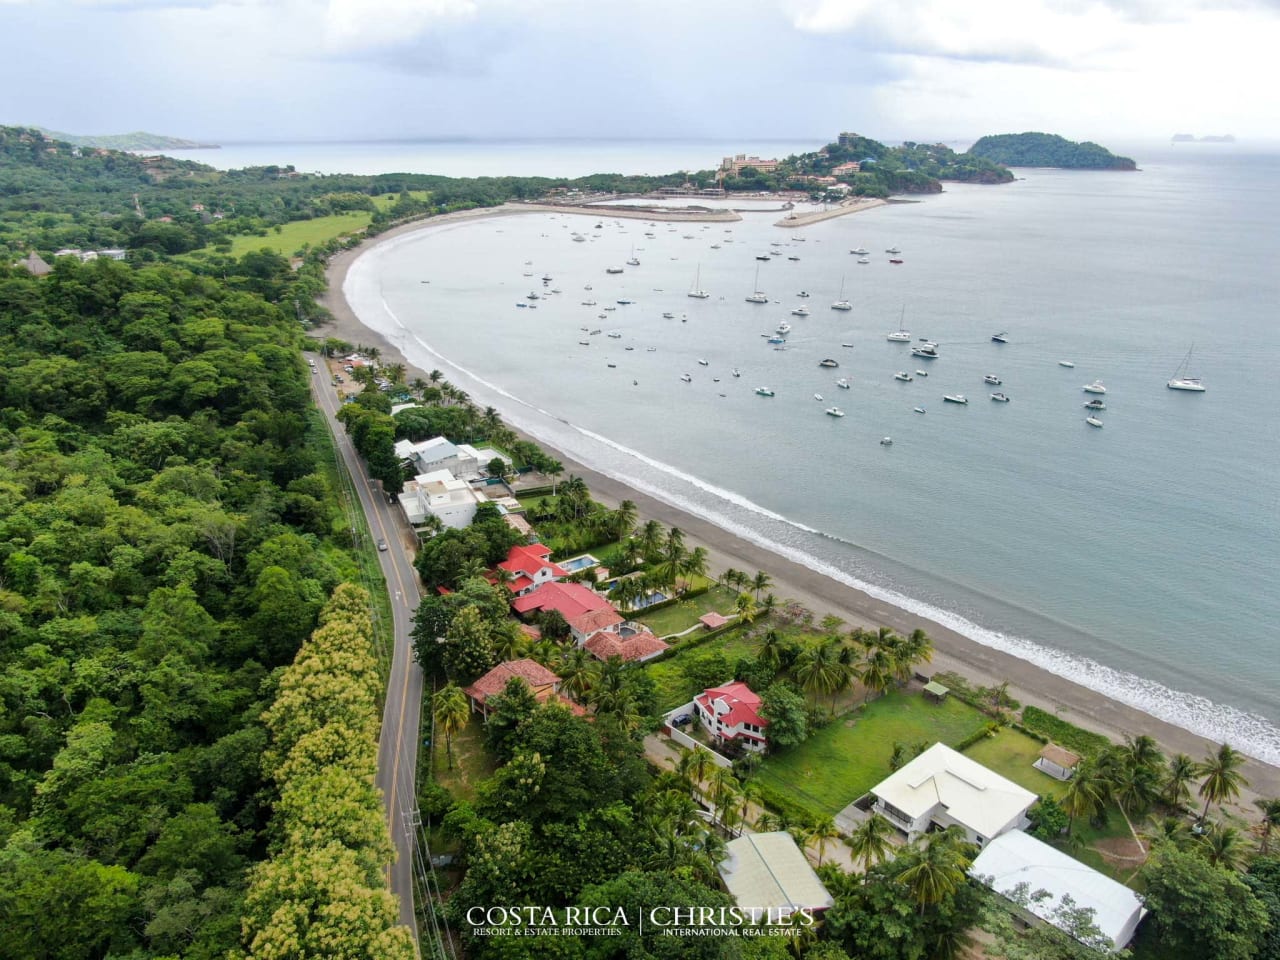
x: 1180, y: 380
x: 842, y: 303
x: 902, y: 334
x: 697, y: 292
x: 758, y: 296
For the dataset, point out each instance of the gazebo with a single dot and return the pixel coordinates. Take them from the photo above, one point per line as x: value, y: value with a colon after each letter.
x: 1058, y: 762
x: 935, y: 692
x: 713, y: 620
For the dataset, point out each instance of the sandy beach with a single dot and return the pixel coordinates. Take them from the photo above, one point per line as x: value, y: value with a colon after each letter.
x: 981, y: 664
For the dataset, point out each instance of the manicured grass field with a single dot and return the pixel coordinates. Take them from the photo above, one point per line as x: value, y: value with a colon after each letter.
x: 386, y: 201
x: 293, y: 236
x: 846, y: 758
x: 684, y: 614
x: 1010, y: 754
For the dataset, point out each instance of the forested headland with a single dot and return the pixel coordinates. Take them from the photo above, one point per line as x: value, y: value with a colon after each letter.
x: 1048, y: 150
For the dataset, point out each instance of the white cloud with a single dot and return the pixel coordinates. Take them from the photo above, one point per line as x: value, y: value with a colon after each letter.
x: 363, y: 25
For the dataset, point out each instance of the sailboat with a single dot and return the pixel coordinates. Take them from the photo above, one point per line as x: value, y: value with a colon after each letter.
x: 758, y: 296
x: 697, y: 292
x: 902, y: 334
x: 842, y: 303
x: 1181, y: 381
x: 633, y: 262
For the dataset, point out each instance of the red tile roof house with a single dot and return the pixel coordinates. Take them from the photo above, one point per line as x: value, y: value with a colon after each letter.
x: 544, y: 684
x: 593, y: 622
x: 531, y: 567
x: 732, y: 714
x: 584, y: 610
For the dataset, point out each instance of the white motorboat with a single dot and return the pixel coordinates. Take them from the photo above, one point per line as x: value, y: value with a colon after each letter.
x: 764, y: 392
x: 736, y: 373
x: 859, y: 251
x: 668, y: 316
x: 1065, y: 363
x: 686, y: 378
x: 956, y: 398
x: 625, y: 301
x: 843, y: 383
x: 999, y: 398
x: 992, y: 379
x: 1093, y: 421
x: 818, y: 397
x: 1180, y: 380
x: 903, y: 376
x: 892, y: 250
x: 864, y: 259
x: 1095, y: 404
x: 1095, y: 387
x: 800, y: 312
x: 803, y: 294
x: 783, y: 327
x: 828, y: 362
x: 613, y: 270
x: 918, y: 409
x: 927, y: 349
x: 1000, y: 338
x: 886, y: 441
x: 922, y: 373
x: 834, y: 412
x: 703, y: 363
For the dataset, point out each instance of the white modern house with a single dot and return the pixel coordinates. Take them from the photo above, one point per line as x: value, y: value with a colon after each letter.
x: 1020, y: 866
x: 439, y: 494
x: 767, y: 874
x: 945, y: 788
x: 437, y: 453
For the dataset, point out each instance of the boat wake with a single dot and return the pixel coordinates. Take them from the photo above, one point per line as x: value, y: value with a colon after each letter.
x: 787, y: 538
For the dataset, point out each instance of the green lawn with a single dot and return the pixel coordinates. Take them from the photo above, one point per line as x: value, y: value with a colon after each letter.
x: 1010, y: 754
x: 293, y: 236
x: 683, y: 615
x: 674, y: 689
x: 472, y: 761
x: 849, y: 756
x: 387, y: 200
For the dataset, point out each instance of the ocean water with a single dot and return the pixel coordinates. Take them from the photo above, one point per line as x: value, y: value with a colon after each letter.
x: 1139, y: 559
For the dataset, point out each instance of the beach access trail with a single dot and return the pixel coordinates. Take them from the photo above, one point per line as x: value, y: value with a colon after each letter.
x: 980, y: 664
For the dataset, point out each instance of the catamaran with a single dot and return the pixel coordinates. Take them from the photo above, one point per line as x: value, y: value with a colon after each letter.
x: 758, y: 296
x: 1181, y: 381
x: 842, y: 303
x: 697, y: 292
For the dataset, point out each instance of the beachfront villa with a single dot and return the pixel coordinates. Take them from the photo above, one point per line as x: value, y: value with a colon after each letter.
x: 593, y: 622
x: 731, y: 713
x: 943, y: 788
x: 767, y: 873
x: 1016, y: 859
x: 530, y: 567
x: 441, y: 495
x: 437, y: 453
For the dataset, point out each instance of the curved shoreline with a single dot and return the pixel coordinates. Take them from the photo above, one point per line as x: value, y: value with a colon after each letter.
x: 1029, y: 682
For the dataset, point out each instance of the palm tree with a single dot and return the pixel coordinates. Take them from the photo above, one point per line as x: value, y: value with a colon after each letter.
x: 435, y: 376
x: 876, y: 672
x: 673, y: 554
x: 761, y: 581
x: 770, y: 652
x: 490, y: 421
x: 1224, y: 845
x: 577, y: 670
x: 817, y: 669
x: 1270, y: 808
x: 1167, y: 831
x: 1222, y: 777
x: 937, y: 869
x: 450, y: 710
x: 870, y: 841
x: 746, y: 608
x: 1087, y: 792
x: 699, y: 762
x: 730, y: 577
x: 623, y: 520
x: 1176, y: 790
x: 724, y: 788
x: 695, y: 564
x: 650, y: 538
x: 918, y: 648
x: 824, y: 829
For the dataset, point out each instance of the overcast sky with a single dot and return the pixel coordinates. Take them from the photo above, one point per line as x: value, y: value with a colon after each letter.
x: 227, y: 70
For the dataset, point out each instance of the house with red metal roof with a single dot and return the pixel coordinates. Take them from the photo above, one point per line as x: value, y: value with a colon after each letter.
x: 544, y: 684
x: 731, y: 713
x: 584, y: 610
x: 530, y: 567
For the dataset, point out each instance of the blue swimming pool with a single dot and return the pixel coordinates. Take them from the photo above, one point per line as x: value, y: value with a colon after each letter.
x: 575, y: 564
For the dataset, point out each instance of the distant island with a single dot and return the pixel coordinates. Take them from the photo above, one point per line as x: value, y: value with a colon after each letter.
x: 1048, y: 150
x: 1192, y: 138
x: 133, y: 142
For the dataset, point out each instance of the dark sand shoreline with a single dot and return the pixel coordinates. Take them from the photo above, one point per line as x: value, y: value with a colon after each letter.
x: 1028, y: 683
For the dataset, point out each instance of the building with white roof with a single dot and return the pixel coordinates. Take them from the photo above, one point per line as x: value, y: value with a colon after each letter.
x: 1017, y: 860
x: 441, y: 495
x: 946, y: 788
x: 767, y: 873
x: 438, y: 453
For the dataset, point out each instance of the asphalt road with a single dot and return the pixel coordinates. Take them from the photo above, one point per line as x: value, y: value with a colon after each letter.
x: 398, y: 744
